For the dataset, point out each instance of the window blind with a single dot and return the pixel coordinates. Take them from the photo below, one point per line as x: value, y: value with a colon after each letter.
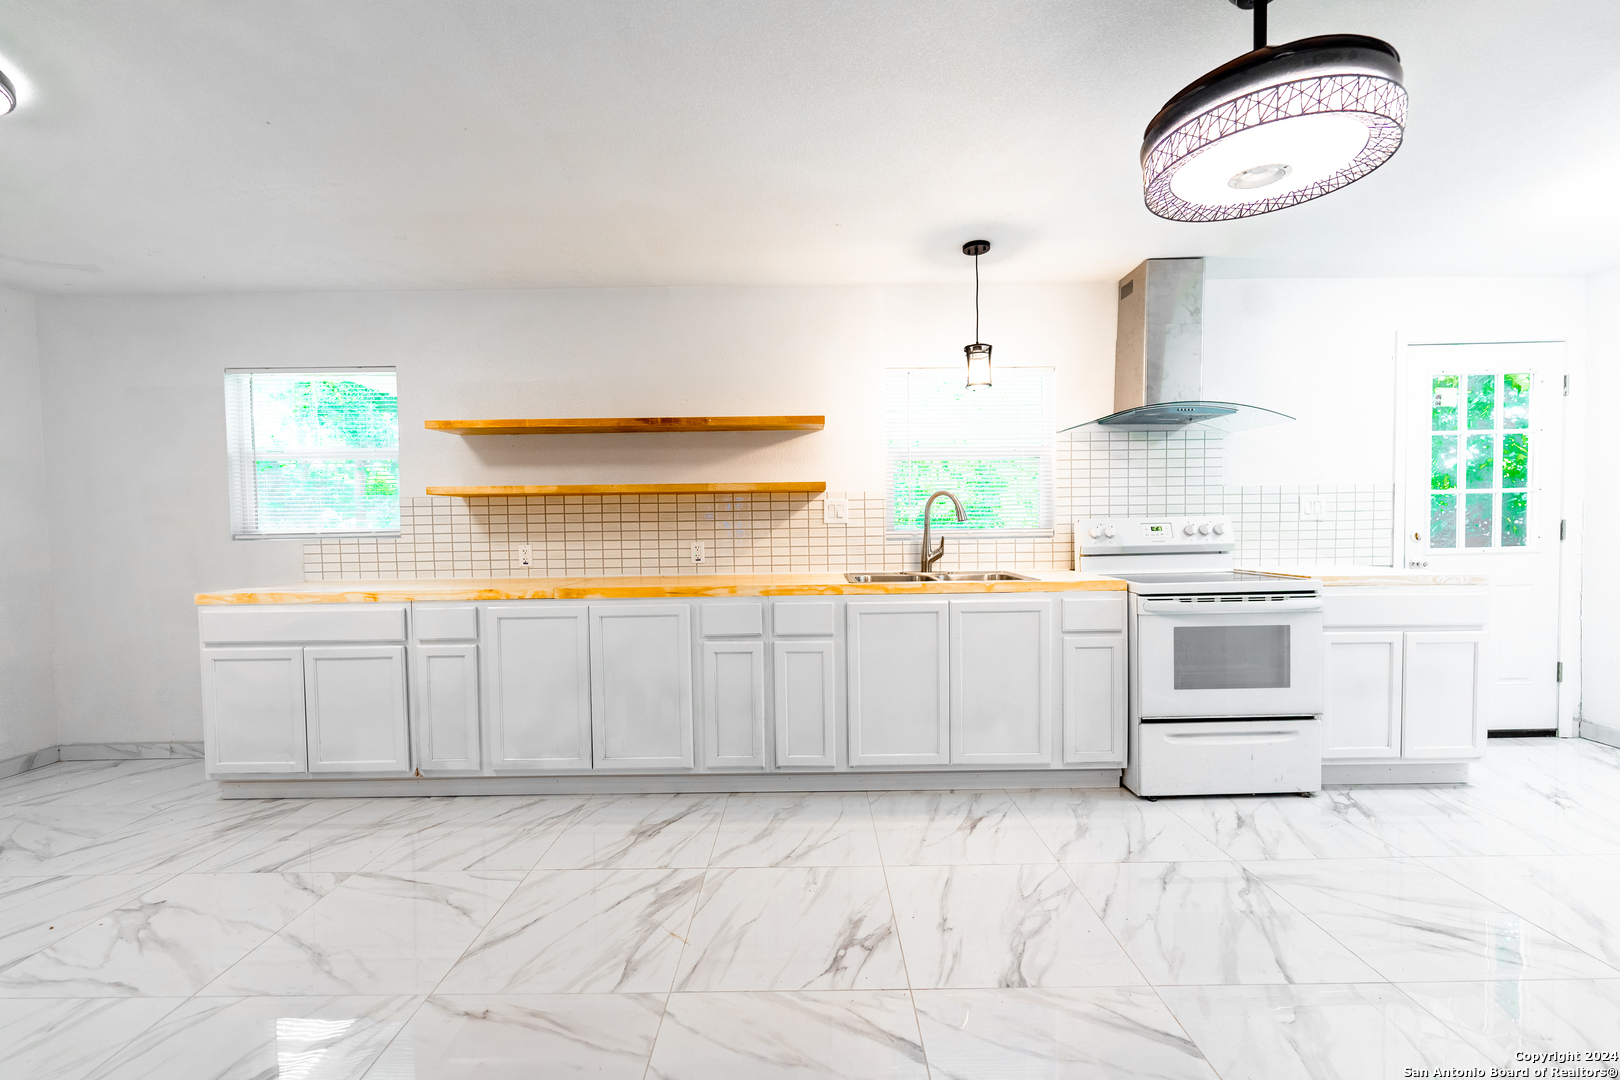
x: 995, y: 447
x: 312, y: 452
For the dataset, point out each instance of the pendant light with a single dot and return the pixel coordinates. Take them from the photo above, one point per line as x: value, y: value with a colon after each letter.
x: 978, y: 353
x: 8, y: 95
x: 1278, y: 126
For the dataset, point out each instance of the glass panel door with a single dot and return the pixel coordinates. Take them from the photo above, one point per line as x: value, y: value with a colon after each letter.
x: 1479, y: 461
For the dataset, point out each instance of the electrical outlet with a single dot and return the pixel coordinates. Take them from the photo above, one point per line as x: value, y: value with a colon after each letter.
x: 698, y: 554
x: 1310, y: 508
x: 835, y: 511
x: 525, y: 555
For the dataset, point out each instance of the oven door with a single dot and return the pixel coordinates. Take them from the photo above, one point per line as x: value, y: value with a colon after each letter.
x: 1241, y: 656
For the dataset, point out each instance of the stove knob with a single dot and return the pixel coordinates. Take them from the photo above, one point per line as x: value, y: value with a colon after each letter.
x: 1219, y: 528
x: 1189, y: 528
x: 1096, y: 531
x: 1204, y: 529
x: 1108, y: 531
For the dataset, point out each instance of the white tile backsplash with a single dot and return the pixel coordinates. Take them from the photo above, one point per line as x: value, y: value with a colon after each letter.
x: 1098, y: 474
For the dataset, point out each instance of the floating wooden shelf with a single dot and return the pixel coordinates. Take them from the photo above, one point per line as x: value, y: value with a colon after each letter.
x: 622, y: 489
x: 605, y: 425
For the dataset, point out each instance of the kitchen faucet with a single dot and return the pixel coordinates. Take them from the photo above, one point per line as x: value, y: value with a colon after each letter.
x: 930, y: 554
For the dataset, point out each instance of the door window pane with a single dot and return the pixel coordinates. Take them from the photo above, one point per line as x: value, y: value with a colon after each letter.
x: 1477, y: 528
x: 1515, y: 461
x: 1443, y: 463
x: 1481, y: 402
x: 1515, y: 401
x: 1481, y: 461
x: 1443, y: 521
x: 1515, y: 518
x: 1231, y: 657
x: 1444, y: 407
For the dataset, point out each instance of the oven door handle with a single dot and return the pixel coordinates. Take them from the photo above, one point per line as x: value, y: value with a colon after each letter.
x: 1251, y: 608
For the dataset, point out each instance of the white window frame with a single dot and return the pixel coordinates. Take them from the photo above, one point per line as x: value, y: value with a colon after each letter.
x: 241, y: 453
x: 1044, y: 440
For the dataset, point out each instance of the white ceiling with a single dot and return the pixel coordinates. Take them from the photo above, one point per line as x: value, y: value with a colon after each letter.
x: 176, y: 146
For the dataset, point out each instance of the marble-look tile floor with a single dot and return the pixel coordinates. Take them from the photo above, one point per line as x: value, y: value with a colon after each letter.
x: 149, y: 929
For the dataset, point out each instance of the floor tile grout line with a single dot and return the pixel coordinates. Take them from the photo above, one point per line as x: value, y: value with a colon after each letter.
x: 894, y: 919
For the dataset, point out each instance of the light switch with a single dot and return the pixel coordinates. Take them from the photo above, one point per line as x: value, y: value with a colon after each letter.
x: 1310, y: 508
x: 835, y: 511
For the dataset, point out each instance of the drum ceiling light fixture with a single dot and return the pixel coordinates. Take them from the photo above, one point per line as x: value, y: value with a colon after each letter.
x: 1278, y: 126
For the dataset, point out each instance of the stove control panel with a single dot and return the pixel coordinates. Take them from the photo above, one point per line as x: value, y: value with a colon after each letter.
x: 1154, y: 535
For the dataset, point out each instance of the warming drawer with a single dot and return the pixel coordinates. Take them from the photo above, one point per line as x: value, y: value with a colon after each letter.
x: 1226, y: 757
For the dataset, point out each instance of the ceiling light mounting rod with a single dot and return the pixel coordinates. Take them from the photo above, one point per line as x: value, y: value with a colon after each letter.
x: 978, y: 353
x: 1259, y: 7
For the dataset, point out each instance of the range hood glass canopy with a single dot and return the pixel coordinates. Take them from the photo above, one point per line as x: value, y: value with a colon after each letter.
x: 1171, y: 416
x: 1159, y: 357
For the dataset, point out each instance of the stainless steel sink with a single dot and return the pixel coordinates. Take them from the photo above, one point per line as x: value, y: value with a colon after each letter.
x: 914, y: 577
x: 981, y: 575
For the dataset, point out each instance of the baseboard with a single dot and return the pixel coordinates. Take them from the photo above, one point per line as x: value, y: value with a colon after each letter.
x: 1607, y: 734
x: 21, y: 763
x: 1396, y: 772
x: 123, y: 751
x: 129, y: 751
x: 587, y: 784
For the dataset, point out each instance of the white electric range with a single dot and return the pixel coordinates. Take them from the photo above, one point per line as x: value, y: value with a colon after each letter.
x: 1225, y: 665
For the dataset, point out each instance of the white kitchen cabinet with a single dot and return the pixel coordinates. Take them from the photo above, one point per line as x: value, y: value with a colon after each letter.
x: 253, y: 711
x: 1094, y: 699
x: 641, y: 685
x: 444, y: 699
x: 537, y: 687
x: 1000, y: 676
x: 899, y: 685
x: 734, y: 704
x: 354, y: 699
x: 806, y: 703
x: 1444, y: 687
x: 1362, y: 715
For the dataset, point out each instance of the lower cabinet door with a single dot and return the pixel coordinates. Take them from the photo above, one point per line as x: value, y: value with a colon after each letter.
x: 1094, y: 700
x: 253, y: 711
x: 1001, y: 682
x: 641, y: 686
x: 537, y: 687
x: 1362, y: 690
x: 806, y: 704
x: 355, y: 697
x: 734, y: 704
x: 899, y: 692
x: 444, y: 701
x: 1442, y: 714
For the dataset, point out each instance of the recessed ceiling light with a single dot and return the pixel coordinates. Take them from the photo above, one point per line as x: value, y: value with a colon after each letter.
x: 1278, y: 126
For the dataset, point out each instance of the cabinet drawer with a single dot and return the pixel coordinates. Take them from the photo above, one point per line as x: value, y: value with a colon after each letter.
x: 1094, y: 613
x: 315, y: 624
x: 803, y: 618
x: 732, y: 620
x: 1416, y: 607
x: 449, y: 623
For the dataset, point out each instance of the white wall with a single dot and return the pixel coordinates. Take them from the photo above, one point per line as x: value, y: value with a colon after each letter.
x: 1600, y: 584
x: 27, y: 713
x: 1323, y: 350
x: 135, y: 423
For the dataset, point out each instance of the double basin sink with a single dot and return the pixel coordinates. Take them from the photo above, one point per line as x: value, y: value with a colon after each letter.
x: 914, y: 576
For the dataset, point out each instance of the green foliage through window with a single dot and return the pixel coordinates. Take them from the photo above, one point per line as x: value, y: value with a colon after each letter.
x: 1495, y: 465
x: 313, y: 452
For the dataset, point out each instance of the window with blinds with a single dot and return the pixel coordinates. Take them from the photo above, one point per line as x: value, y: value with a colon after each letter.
x: 312, y: 452
x: 994, y: 446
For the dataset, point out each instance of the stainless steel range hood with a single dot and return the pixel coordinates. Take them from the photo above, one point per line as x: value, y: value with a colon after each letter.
x: 1159, y: 357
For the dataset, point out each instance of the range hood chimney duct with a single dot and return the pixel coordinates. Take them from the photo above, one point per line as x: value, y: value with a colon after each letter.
x: 1159, y: 357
